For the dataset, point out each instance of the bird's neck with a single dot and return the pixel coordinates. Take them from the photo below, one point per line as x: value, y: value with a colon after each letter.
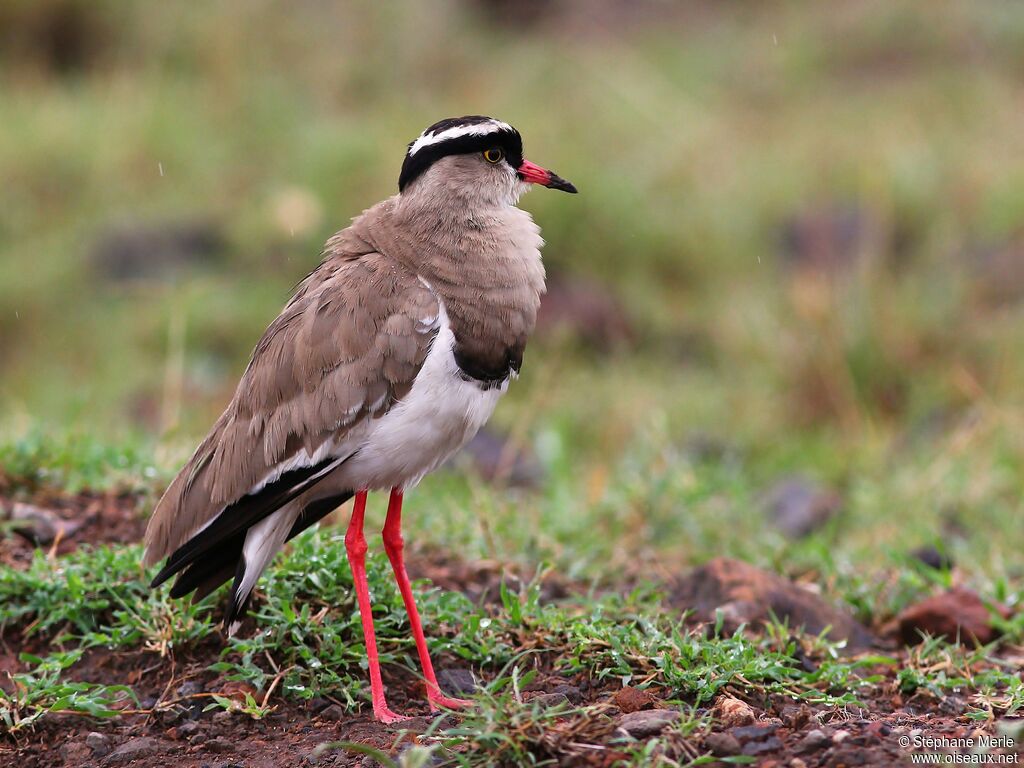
x: 484, y: 264
x: 460, y: 249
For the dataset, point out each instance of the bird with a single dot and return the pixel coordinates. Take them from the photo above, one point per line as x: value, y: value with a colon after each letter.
x: 388, y: 357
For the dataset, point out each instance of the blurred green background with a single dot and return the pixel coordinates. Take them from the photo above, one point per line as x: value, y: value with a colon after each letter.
x: 798, y: 249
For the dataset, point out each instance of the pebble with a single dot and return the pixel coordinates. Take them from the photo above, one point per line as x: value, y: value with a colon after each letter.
x: 134, y: 749
x: 813, y: 741
x: 457, y: 681
x: 648, y: 722
x: 722, y: 744
x: 732, y: 712
x: 220, y: 744
x: 75, y: 753
x: 571, y: 692
x: 629, y: 699
x: 796, y: 717
x: 39, y: 525
x: 762, y: 747
x: 318, y: 703
x: 188, y: 688
x: 840, y: 736
x: 98, y: 743
x: 188, y: 728
x: 754, y: 732
x: 334, y: 713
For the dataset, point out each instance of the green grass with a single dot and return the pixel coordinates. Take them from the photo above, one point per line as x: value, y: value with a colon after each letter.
x: 308, y: 642
x: 45, y: 690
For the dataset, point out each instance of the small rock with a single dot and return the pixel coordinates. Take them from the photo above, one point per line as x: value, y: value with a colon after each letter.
x: 955, y: 613
x: 840, y: 736
x: 219, y: 745
x: 334, y: 713
x: 317, y: 704
x: 796, y: 762
x: 571, y: 692
x: 933, y: 558
x: 76, y: 753
x: 756, y: 595
x: 631, y: 699
x: 753, y: 732
x: 188, y: 689
x: 722, y: 744
x: 549, y: 700
x: 224, y: 716
x: 732, y: 712
x: 188, y: 728
x: 649, y: 722
x: 795, y: 718
x: 998, y: 271
x: 813, y: 741
x: 134, y: 251
x: 952, y: 704
x: 799, y: 506
x: 498, y: 460
x: 829, y: 238
x: 877, y: 730
x: 40, y: 525
x: 585, y: 311
x: 98, y: 743
x: 134, y: 749
x: 754, y: 748
x: 457, y: 681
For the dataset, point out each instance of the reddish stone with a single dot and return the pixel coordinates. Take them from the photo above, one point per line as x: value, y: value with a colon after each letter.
x: 958, y: 613
x: 748, y: 595
x: 630, y: 699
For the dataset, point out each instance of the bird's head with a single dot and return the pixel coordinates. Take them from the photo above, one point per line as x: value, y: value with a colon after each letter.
x: 474, y: 158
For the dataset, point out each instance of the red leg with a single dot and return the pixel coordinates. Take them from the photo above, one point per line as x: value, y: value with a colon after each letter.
x: 355, y: 545
x: 393, y: 545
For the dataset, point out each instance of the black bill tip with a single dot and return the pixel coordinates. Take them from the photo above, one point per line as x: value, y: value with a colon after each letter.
x: 557, y: 182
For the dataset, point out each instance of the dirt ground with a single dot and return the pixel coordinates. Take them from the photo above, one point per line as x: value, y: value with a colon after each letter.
x: 170, y: 727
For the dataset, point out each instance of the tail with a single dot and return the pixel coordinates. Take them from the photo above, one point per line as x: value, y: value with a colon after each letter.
x: 244, y: 537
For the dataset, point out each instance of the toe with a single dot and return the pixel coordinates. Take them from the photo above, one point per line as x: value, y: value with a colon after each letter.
x: 388, y: 717
x: 440, y: 700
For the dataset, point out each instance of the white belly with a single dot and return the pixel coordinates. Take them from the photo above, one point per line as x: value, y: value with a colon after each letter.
x: 438, y: 415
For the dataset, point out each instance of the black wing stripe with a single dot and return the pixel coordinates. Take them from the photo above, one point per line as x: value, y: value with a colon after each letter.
x: 244, y: 513
x: 204, y: 576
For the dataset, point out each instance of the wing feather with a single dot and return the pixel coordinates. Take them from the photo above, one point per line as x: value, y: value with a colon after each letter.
x: 346, y: 347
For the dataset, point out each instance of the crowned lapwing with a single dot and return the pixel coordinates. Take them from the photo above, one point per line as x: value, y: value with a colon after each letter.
x: 392, y: 353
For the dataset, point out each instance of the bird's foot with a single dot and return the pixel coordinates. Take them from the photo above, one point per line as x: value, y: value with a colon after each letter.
x: 439, y: 700
x: 386, y: 716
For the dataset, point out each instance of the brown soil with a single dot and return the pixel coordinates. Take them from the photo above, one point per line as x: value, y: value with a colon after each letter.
x: 92, y: 518
x: 170, y: 728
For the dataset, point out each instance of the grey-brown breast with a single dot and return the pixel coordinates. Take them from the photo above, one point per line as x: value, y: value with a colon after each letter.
x: 484, y: 265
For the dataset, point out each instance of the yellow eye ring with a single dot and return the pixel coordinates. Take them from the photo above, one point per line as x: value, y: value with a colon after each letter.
x: 493, y: 155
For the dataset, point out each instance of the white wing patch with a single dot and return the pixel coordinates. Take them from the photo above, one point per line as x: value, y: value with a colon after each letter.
x: 476, y: 129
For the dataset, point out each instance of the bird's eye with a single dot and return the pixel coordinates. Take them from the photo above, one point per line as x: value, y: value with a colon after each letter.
x: 493, y: 155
